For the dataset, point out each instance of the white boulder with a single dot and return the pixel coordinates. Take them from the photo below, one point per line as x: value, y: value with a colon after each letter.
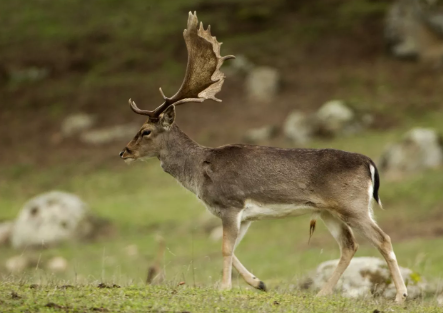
x: 299, y: 127
x: 414, y: 29
x: 49, y: 219
x: 239, y: 65
x: 57, y: 264
x: 262, y: 84
x: 19, y: 263
x: 216, y: 234
x: 109, y: 134
x: 419, y: 149
x: 334, y: 118
x: 256, y: 135
x: 16, y: 264
x: 77, y: 123
x: 366, y: 276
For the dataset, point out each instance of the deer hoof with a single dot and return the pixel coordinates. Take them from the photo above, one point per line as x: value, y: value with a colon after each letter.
x: 399, y: 299
x: 262, y: 286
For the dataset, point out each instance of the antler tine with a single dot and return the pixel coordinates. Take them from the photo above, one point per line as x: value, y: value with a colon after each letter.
x: 203, y: 78
x: 135, y: 108
x: 162, y: 93
x: 228, y: 57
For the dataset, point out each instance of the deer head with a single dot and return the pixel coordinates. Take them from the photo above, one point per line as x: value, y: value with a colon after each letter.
x: 203, y: 80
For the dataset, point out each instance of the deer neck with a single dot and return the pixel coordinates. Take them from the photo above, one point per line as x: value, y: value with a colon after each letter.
x: 181, y: 157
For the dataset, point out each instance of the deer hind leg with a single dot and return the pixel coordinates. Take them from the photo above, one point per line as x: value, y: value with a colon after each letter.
x: 342, y: 233
x: 247, y: 276
x: 383, y: 243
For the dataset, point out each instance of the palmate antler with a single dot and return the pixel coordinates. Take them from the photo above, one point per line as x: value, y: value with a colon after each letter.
x: 203, y: 78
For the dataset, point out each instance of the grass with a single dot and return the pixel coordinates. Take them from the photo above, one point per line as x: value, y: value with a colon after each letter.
x: 181, y: 298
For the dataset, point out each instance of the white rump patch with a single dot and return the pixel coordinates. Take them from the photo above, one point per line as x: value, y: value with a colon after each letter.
x: 370, y: 193
x: 372, y: 170
x: 257, y: 211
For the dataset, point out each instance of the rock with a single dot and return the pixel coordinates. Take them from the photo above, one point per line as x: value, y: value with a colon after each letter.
x: 419, y: 149
x: 257, y: 135
x: 414, y: 30
x: 366, y: 276
x: 400, y: 21
x: 262, y: 84
x: 334, y: 118
x: 49, y: 219
x: 110, y: 134
x: 19, y: 263
x: 216, y: 233
x: 76, y: 123
x: 5, y: 232
x: 28, y: 75
x: 299, y: 127
x: 57, y: 264
x: 239, y: 65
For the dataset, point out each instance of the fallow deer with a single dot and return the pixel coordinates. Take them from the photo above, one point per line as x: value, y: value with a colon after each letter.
x: 244, y: 183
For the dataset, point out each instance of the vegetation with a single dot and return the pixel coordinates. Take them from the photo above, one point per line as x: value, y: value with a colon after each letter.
x: 173, y: 298
x: 97, y: 54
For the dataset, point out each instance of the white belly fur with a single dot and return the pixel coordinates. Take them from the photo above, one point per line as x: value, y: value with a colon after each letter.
x: 256, y: 211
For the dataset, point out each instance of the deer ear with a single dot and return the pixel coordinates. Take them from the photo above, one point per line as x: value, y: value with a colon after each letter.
x: 167, y: 118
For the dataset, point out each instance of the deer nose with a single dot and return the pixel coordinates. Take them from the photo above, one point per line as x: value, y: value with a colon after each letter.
x: 121, y: 153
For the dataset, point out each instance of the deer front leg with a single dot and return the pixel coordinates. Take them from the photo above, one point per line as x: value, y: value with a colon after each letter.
x: 231, y: 227
x: 247, y: 276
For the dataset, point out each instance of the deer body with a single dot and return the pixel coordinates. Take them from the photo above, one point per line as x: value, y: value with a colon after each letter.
x: 266, y: 182
x: 244, y: 183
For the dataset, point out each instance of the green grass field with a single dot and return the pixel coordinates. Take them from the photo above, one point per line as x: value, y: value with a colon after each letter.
x: 172, y: 298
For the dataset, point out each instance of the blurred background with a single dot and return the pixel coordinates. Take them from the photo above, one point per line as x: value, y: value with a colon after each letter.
x: 363, y: 76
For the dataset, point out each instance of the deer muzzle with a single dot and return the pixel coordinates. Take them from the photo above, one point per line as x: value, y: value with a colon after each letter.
x: 126, y: 154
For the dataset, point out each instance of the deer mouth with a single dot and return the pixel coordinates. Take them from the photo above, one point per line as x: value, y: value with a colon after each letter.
x: 127, y: 156
x: 129, y: 160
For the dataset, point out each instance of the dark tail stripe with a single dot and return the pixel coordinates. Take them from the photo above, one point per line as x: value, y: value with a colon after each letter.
x: 376, y: 182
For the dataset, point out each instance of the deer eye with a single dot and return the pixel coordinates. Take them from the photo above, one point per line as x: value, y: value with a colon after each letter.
x: 146, y: 132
